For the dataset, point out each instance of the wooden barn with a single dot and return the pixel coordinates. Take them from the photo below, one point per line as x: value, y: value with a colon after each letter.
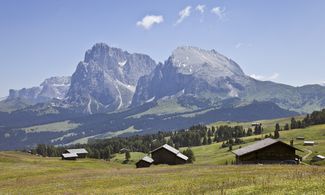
x: 144, y: 162
x: 318, y: 158
x: 81, y: 152
x: 69, y: 156
x: 267, y: 151
x: 168, y: 155
x: 309, y: 143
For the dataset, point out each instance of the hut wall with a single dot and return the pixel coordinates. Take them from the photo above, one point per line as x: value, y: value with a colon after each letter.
x: 142, y: 164
x: 275, y: 153
x: 163, y: 156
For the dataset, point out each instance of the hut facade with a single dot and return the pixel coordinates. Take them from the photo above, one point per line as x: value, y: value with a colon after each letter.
x: 144, y: 162
x: 166, y: 154
x: 69, y: 156
x: 267, y: 151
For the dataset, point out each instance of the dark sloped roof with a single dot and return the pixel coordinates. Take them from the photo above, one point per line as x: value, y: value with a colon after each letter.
x: 173, y: 150
x: 258, y: 145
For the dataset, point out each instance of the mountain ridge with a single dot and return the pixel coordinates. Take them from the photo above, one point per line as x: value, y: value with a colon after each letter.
x: 114, y: 92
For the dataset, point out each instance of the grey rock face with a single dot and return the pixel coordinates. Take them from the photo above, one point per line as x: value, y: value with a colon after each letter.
x: 106, y: 80
x: 195, y: 75
x: 54, y: 87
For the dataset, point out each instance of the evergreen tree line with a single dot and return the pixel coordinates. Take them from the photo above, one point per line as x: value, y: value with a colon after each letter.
x: 194, y: 136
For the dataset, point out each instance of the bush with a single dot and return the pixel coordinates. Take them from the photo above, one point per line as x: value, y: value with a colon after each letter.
x: 189, y: 153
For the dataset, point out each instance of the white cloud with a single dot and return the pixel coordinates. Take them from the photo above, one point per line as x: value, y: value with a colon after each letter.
x: 238, y: 45
x: 184, y: 13
x: 220, y: 12
x: 148, y: 21
x: 200, y: 8
x: 274, y: 76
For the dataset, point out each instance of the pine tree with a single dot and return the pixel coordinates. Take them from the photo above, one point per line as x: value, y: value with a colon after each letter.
x: 230, y: 147
x: 277, y: 127
x: 189, y: 153
x: 127, y: 155
x: 276, y: 134
x: 205, y: 141
x: 209, y: 140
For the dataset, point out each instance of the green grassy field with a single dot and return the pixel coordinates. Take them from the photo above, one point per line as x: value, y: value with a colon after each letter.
x: 26, y: 174
x: 22, y: 173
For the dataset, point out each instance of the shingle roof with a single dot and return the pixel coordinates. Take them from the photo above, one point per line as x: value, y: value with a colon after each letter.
x: 182, y: 156
x: 147, y: 159
x: 258, y: 145
x: 69, y: 155
x: 78, y: 151
x: 173, y: 150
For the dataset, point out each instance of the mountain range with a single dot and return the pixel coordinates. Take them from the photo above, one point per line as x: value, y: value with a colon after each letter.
x: 115, y: 93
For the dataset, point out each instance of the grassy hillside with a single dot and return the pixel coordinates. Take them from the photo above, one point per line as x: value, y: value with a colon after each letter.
x: 22, y: 173
x: 26, y: 174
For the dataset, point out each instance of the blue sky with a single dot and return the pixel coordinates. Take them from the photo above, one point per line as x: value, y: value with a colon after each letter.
x: 279, y: 40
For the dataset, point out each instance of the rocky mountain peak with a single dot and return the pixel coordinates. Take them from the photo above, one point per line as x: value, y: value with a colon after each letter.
x: 191, y: 60
x: 54, y: 87
x: 106, y: 79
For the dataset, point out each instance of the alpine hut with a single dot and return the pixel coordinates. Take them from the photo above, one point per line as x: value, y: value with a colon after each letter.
x: 144, y: 162
x: 166, y: 154
x: 69, y: 156
x: 81, y: 152
x: 267, y: 151
x: 309, y: 143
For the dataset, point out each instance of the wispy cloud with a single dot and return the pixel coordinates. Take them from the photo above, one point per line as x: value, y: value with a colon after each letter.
x: 238, y: 45
x: 148, y: 21
x: 220, y: 12
x: 184, y: 13
x: 274, y: 76
x: 200, y: 8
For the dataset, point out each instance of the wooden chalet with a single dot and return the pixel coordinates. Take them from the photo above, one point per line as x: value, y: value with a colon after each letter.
x: 267, y: 151
x: 318, y: 158
x: 309, y: 143
x: 81, y: 152
x: 69, y: 156
x: 144, y: 162
x: 166, y: 154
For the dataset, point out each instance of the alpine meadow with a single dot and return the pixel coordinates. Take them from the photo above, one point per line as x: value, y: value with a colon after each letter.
x: 162, y: 97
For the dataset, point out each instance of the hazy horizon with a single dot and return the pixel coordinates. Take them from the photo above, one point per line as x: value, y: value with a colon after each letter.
x: 278, y: 41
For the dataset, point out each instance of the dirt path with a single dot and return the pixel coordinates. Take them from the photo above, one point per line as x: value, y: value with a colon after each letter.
x: 306, y: 156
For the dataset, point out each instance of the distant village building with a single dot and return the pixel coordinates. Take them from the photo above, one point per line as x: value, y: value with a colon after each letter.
x: 81, y: 152
x: 123, y: 150
x: 300, y: 138
x: 309, y: 143
x: 318, y: 158
x: 166, y: 154
x: 69, y: 156
x: 144, y: 162
x: 267, y: 151
x: 256, y: 124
